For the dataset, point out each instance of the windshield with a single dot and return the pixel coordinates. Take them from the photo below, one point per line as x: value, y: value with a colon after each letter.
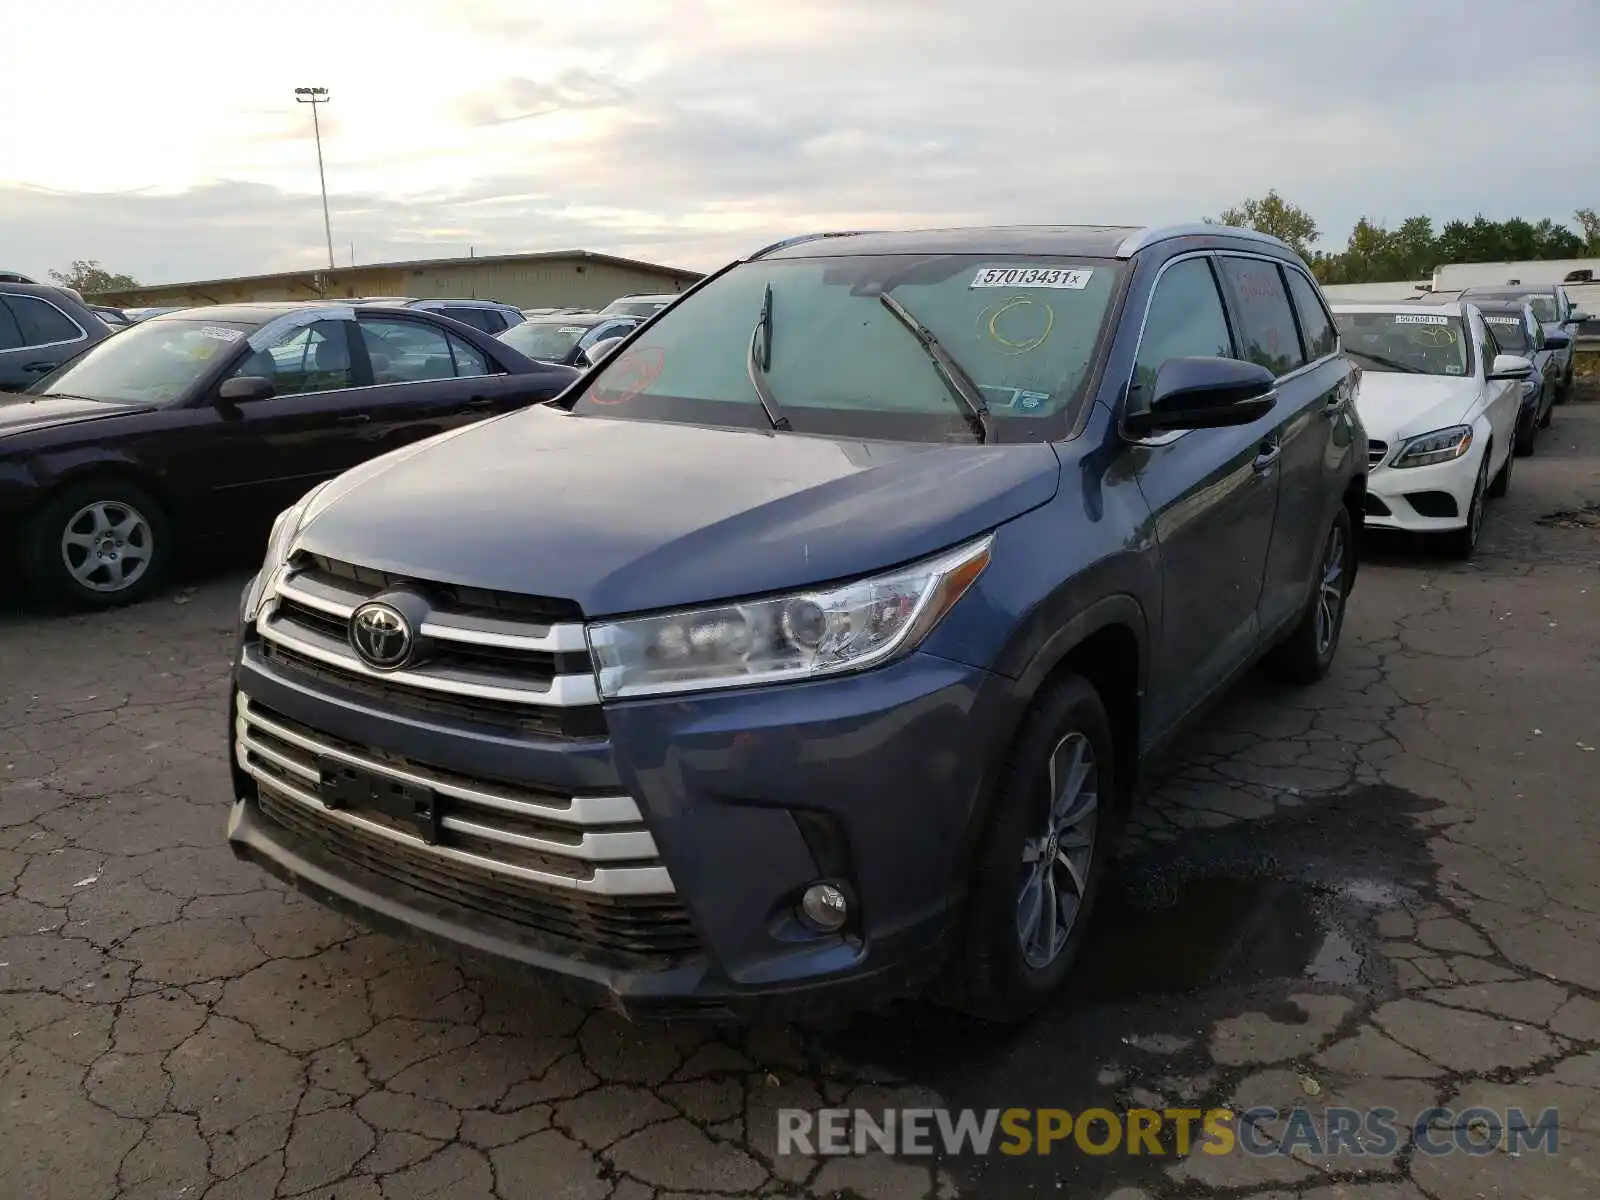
x: 1406, y: 343
x: 1542, y: 303
x: 836, y: 360
x: 154, y: 362
x: 546, y: 339
x: 1509, y: 332
x: 636, y: 308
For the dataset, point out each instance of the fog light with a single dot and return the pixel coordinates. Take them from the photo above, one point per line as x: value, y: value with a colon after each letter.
x: 825, y: 906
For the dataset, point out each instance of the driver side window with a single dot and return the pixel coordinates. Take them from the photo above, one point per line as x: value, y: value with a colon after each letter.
x: 314, y: 358
x: 1185, y: 320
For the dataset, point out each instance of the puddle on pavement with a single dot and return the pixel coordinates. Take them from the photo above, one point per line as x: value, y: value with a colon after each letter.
x: 1217, y: 931
x: 1223, y: 922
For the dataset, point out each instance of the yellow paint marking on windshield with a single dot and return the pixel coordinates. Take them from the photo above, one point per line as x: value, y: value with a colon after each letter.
x: 1015, y: 302
x: 1431, y: 335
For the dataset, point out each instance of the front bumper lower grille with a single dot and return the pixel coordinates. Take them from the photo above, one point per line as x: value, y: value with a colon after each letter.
x: 581, y: 871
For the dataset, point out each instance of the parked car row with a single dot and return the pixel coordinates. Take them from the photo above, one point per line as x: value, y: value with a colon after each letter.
x: 202, y: 424
x: 1452, y: 391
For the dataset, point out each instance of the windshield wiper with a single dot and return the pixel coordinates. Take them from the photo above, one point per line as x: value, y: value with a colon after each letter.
x: 955, y: 378
x: 1390, y: 363
x: 759, y: 365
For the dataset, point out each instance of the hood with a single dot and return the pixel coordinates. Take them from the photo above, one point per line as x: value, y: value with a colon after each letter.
x: 23, y: 414
x: 1394, y: 406
x: 624, y: 516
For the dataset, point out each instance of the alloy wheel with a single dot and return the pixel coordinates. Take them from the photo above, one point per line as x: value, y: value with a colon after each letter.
x: 1330, y: 592
x: 1056, y: 862
x: 107, y: 546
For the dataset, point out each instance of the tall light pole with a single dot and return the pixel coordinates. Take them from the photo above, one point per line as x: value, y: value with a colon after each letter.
x: 315, y: 96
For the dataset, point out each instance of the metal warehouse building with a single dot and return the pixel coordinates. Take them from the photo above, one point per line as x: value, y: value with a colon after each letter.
x: 556, y: 278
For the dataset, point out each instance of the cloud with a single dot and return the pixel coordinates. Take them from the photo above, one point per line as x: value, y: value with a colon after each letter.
x: 521, y: 98
x: 693, y: 132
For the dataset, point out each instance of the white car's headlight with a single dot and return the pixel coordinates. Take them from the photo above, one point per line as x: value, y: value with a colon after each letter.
x: 803, y: 635
x: 280, y: 543
x: 1442, y: 445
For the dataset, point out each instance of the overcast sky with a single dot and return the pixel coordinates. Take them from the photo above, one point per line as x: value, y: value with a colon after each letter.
x: 162, y: 138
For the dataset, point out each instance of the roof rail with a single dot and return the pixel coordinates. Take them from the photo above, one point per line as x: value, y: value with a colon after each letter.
x: 1134, y: 243
x: 807, y: 237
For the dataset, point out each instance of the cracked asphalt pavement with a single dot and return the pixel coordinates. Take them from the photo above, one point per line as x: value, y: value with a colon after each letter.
x: 1381, y: 890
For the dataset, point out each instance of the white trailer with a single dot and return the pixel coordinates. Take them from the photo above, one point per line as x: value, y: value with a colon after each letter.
x: 1456, y: 276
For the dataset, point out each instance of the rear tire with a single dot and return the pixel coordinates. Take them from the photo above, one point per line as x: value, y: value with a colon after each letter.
x: 1038, y: 868
x: 97, y: 544
x: 1307, y: 653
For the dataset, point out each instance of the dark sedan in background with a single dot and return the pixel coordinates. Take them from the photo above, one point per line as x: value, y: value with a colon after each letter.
x: 40, y: 328
x: 204, y: 423
x: 565, y: 338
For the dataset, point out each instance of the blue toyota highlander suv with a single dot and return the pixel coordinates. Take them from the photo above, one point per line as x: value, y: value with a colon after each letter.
x: 809, y: 648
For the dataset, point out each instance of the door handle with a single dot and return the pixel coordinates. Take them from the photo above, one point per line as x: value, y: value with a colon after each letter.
x: 479, y: 402
x: 39, y: 367
x: 1267, y: 455
x: 354, y: 418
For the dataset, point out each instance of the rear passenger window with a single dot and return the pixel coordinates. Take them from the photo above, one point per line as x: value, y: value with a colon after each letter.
x: 1267, y: 333
x: 478, y: 318
x: 469, y: 359
x: 406, y: 351
x: 1185, y: 320
x: 41, y: 322
x: 10, y: 335
x: 1315, y: 324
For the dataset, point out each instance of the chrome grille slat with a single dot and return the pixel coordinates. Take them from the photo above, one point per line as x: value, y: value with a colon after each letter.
x: 1376, y: 452
x: 583, y: 849
x: 594, y: 847
x: 486, y: 651
x: 580, y: 810
x: 340, y: 598
x: 562, y: 691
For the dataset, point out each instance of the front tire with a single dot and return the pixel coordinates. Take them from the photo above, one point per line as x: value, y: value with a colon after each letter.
x: 1523, y: 446
x: 1307, y: 653
x: 97, y: 544
x: 1038, y: 869
x: 1501, y: 483
x: 1463, y: 543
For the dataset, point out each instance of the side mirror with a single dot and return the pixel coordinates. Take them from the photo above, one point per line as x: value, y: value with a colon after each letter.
x: 242, y: 389
x: 594, y: 354
x: 1557, y: 341
x: 1205, y: 393
x: 1578, y: 318
x: 1511, y: 366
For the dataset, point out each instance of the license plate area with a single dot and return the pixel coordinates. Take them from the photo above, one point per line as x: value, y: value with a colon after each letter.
x: 357, y: 791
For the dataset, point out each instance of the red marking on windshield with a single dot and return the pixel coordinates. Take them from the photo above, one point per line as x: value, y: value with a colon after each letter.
x: 630, y: 376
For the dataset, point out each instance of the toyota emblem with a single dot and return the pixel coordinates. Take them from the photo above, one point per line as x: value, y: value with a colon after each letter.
x: 381, y: 636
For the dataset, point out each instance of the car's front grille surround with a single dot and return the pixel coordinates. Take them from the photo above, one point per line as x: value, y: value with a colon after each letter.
x: 490, y: 656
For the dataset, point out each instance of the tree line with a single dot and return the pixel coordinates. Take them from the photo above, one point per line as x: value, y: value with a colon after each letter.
x: 1374, y: 253
x: 1411, y: 250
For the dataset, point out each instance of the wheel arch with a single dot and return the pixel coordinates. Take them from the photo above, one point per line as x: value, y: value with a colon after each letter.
x: 1107, y: 643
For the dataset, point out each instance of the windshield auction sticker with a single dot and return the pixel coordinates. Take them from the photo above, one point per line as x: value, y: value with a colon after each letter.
x: 1031, y: 277
x: 1503, y: 320
x: 1419, y: 319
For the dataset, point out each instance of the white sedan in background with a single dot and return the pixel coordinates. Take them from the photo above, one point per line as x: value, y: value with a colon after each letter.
x: 1440, y: 403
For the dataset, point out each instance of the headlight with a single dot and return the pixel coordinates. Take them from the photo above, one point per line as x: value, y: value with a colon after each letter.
x: 280, y: 542
x: 799, y: 636
x: 1440, y: 446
